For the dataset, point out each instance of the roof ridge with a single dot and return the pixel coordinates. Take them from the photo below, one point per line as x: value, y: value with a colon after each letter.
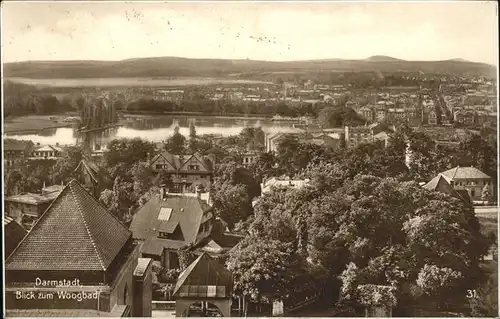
x: 187, y: 272
x: 77, y: 200
x: 455, y: 173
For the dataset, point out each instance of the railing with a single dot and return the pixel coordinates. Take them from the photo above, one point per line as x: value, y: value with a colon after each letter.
x: 162, y: 305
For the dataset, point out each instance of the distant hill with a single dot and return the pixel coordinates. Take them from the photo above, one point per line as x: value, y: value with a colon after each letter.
x: 178, y: 67
x: 382, y: 58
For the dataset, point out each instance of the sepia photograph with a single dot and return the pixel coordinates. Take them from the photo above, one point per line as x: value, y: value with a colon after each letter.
x: 250, y: 159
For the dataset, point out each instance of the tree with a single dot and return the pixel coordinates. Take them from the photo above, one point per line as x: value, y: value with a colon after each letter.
x: 389, y: 230
x: 142, y: 175
x: 234, y: 174
x: 486, y: 196
x: 128, y: 152
x: 186, y: 257
x: 120, y: 200
x: 330, y: 117
x: 192, y: 137
x: 434, y: 280
x: 231, y: 203
x: 263, y: 269
x: 176, y: 142
x: 66, y: 164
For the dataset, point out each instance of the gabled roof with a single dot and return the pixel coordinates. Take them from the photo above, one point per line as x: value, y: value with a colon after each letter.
x: 88, y: 167
x: 75, y: 233
x: 205, y: 271
x: 187, y: 212
x: 179, y: 161
x: 442, y: 184
x: 464, y: 173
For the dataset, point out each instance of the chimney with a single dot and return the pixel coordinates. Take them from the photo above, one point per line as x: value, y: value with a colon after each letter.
x: 38, y: 144
x: 163, y: 192
x: 57, y: 143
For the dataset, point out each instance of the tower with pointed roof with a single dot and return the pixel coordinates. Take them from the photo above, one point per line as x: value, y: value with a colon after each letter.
x: 79, y: 255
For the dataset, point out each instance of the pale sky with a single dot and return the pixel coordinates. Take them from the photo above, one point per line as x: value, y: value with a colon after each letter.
x: 228, y: 30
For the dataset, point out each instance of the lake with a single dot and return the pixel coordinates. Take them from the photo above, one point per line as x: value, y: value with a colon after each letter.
x: 160, y: 127
x: 130, y: 82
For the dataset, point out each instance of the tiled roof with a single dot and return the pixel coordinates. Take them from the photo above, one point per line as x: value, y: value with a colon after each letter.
x: 464, y: 173
x: 187, y: 212
x: 205, y: 271
x: 75, y: 233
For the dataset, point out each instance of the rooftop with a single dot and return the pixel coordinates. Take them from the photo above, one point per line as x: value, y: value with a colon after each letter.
x: 208, y: 276
x: 74, y: 233
x: 186, y: 212
x: 464, y: 173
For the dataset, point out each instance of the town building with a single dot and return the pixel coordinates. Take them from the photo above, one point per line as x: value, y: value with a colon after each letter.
x: 168, y: 222
x: 26, y: 208
x: 464, y: 116
x: 367, y: 113
x: 367, y: 134
x: 79, y: 261
x: 175, y: 96
x: 249, y: 158
x: 92, y: 177
x: 441, y: 184
x: 272, y: 140
x: 46, y: 152
x: 16, y: 152
x: 185, y: 171
x: 470, y: 179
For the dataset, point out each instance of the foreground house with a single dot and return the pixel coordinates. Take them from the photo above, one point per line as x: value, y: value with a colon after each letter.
x: 185, y: 170
x: 79, y: 261
x: 204, y: 281
x: 168, y: 222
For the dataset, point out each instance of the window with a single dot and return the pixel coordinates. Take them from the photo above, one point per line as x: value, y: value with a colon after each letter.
x: 194, y: 167
x: 473, y: 192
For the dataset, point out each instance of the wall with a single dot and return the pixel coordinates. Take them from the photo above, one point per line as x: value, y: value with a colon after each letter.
x: 125, y: 279
x: 475, y: 185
